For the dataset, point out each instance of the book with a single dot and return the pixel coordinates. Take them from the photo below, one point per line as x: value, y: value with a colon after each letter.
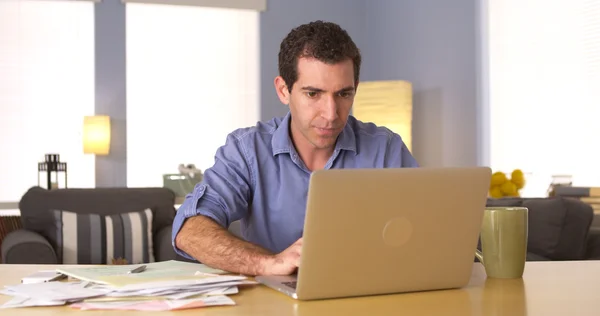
x: 577, y: 191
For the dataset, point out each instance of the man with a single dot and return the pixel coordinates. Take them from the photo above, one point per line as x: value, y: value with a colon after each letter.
x: 261, y: 173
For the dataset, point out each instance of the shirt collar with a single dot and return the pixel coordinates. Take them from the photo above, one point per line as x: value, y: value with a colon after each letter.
x: 282, y: 142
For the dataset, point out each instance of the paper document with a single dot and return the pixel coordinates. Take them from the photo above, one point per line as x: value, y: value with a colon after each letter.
x: 49, y: 293
x: 117, y: 275
x: 174, y: 295
x: 42, y: 276
x: 21, y: 301
x: 162, y: 286
x: 187, y: 282
x: 158, y: 305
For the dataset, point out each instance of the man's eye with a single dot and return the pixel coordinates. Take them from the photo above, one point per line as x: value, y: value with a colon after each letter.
x: 345, y: 94
x: 311, y: 94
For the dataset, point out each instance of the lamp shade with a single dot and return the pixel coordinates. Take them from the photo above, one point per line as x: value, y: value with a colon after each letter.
x: 96, y: 135
x: 386, y: 103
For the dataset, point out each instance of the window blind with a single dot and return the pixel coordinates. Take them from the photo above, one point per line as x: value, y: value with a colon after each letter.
x: 46, y: 87
x: 191, y: 80
x: 544, y: 75
x: 259, y: 5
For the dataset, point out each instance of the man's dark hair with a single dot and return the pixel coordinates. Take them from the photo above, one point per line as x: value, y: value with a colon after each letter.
x: 325, y: 41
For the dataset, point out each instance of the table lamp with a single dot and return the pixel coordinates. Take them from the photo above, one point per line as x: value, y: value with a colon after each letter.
x: 96, y: 135
x: 386, y: 103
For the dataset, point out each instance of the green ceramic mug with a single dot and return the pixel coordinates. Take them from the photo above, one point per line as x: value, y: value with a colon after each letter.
x: 504, y: 241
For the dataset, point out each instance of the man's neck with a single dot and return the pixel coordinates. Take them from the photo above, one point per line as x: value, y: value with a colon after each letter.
x: 313, y: 158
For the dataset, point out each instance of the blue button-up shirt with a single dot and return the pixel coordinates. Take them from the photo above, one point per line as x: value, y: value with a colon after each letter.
x: 259, y: 178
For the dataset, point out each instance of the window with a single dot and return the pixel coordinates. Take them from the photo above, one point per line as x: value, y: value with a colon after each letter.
x: 544, y: 67
x: 46, y: 88
x: 191, y: 79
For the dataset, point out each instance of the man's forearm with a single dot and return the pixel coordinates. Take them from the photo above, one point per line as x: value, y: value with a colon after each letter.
x: 211, y: 244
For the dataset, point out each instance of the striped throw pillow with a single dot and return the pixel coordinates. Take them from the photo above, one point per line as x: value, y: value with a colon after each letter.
x: 98, y: 239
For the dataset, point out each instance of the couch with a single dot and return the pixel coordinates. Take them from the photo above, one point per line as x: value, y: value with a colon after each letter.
x: 560, y: 228
x: 48, y: 220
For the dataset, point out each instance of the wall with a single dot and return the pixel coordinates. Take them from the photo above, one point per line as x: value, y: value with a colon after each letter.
x: 432, y: 43
x: 435, y: 45
x: 281, y: 17
x: 111, y: 88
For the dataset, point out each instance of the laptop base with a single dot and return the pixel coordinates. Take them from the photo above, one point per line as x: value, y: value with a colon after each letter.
x: 284, y: 284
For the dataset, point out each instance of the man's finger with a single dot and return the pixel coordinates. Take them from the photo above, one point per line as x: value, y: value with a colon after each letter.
x: 297, y: 250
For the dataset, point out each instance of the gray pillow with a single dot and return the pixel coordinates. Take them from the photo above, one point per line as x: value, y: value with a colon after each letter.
x: 100, y: 239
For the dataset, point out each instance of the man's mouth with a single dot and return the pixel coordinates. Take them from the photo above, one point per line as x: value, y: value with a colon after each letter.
x: 326, y: 131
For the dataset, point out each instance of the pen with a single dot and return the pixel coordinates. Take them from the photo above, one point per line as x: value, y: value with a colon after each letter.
x: 137, y: 270
x: 58, y: 277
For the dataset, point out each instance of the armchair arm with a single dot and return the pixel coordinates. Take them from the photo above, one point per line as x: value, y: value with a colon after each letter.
x: 26, y: 247
x: 535, y: 257
x: 163, y: 250
x: 593, y: 244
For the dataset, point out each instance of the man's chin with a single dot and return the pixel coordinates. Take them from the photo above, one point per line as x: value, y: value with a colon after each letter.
x: 324, y: 142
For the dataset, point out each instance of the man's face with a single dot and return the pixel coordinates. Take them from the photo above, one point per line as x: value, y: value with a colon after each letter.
x: 320, y: 101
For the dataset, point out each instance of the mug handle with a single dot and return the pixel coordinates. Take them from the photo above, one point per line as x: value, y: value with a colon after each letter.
x: 479, y: 255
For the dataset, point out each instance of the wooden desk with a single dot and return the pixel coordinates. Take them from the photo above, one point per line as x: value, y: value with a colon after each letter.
x: 547, y: 288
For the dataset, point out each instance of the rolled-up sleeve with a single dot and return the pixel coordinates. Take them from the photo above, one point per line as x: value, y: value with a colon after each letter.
x: 224, y: 192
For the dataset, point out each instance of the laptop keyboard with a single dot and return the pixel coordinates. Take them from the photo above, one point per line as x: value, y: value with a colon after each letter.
x: 291, y: 284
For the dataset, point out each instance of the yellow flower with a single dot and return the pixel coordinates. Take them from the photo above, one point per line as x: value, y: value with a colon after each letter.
x: 509, y: 189
x: 501, y: 186
x: 498, y: 178
x: 518, y: 178
x: 496, y: 192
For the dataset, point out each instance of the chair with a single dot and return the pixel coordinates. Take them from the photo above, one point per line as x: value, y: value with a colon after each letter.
x: 92, y: 226
x: 560, y: 228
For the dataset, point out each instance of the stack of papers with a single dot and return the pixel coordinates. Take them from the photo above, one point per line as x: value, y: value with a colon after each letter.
x: 169, y: 285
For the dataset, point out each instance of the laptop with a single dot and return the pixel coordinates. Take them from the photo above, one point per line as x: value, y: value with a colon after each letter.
x: 384, y: 231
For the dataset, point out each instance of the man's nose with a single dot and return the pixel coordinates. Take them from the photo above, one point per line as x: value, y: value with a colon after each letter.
x: 329, y: 111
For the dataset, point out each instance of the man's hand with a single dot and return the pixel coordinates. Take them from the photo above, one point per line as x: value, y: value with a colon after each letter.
x: 208, y: 242
x: 285, y: 262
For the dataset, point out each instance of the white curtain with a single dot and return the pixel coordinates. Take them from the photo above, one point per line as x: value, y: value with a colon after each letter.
x: 192, y: 78
x: 46, y: 88
x: 544, y: 90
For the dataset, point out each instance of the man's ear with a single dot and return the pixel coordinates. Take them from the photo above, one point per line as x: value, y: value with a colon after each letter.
x: 282, y: 90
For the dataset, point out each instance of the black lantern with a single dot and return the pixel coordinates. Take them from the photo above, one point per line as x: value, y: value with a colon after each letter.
x: 52, y: 173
